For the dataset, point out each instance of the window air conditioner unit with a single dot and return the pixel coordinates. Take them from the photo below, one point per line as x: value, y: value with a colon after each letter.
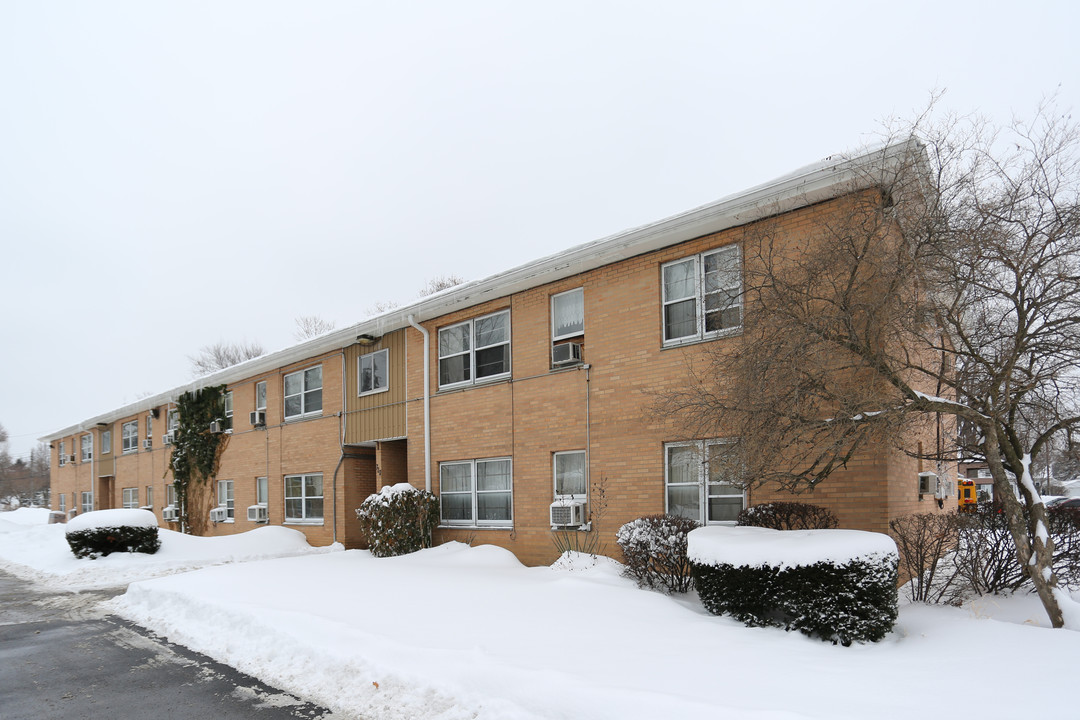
x: 566, y: 354
x: 72, y: 512
x: 257, y: 513
x: 168, y: 438
x: 567, y: 514
x: 258, y: 417
x: 147, y: 507
x: 928, y: 483
x: 89, y: 456
x: 169, y: 513
x: 71, y: 458
x: 219, y: 514
x: 148, y: 444
x: 216, y: 426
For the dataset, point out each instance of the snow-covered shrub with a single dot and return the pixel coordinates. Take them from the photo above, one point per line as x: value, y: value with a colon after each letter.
x: 788, y: 516
x: 924, y: 539
x: 1065, y: 531
x: 103, y: 532
x: 654, y: 548
x: 398, y: 520
x: 837, y: 585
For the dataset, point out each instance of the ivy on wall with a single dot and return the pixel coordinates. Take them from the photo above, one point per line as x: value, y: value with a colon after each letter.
x: 196, y: 454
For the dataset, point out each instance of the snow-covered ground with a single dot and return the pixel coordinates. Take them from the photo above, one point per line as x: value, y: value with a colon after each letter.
x: 468, y: 632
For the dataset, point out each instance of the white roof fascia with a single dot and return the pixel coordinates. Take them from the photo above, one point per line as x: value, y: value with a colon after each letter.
x: 824, y: 180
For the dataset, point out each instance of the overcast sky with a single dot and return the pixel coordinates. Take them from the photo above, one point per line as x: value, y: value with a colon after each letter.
x: 173, y: 174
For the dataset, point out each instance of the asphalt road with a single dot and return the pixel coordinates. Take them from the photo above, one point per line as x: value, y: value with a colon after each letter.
x: 63, y: 657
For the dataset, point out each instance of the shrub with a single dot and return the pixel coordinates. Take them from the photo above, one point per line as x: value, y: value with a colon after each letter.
x: 655, y: 551
x: 98, y: 541
x: 923, y: 541
x: 788, y: 516
x: 398, y: 520
x: 1065, y: 531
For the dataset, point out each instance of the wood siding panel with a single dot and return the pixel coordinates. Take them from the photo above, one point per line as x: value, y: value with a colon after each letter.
x: 380, y: 415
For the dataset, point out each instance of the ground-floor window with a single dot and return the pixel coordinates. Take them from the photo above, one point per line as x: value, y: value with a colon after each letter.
x: 149, y: 496
x: 87, y: 502
x: 569, y: 470
x: 476, y: 492
x: 225, y: 497
x: 304, y: 498
x: 170, y: 494
x: 703, y: 480
x: 62, y: 507
x: 131, y: 497
x: 262, y: 492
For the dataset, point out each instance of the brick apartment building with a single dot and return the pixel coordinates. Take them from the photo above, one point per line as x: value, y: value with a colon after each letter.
x: 505, y: 396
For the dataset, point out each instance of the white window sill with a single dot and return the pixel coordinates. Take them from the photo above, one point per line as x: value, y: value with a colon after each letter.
x: 475, y: 527
x: 304, y: 522
x: 308, y: 416
x: 504, y: 377
x: 373, y: 392
x: 681, y: 342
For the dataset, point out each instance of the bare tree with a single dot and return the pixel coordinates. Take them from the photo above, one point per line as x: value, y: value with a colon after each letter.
x: 440, y: 283
x: 309, y: 326
x: 221, y: 355
x: 942, y: 303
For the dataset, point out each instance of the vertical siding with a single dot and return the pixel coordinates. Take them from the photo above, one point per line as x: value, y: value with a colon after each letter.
x: 379, y: 415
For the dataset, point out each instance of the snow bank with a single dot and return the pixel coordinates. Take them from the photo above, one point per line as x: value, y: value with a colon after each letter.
x: 26, y: 516
x: 755, y: 547
x: 112, y: 518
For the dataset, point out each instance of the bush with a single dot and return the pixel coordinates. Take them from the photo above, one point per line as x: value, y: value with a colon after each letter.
x: 398, y: 520
x: 854, y: 601
x: 923, y: 541
x: 99, y: 541
x: 788, y: 516
x: 655, y: 551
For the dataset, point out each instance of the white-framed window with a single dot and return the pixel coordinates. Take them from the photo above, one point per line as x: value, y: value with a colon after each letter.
x: 87, y: 502
x: 170, y: 495
x: 260, y: 395
x: 131, y: 497
x: 374, y: 369
x: 150, y: 496
x: 129, y: 436
x: 86, y: 449
x: 568, y: 314
x: 304, y: 498
x: 61, y: 454
x: 702, y: 295
x: 303, y: 393
x: 106, y: 441
x: 262, y: 491
x: 569, y: 471
x: 703, y: 480
x: 475, y: 350
x: 172, y: 420
x: 149, y: 425
x: 225, y: 497
x: 62, y: 506
x: 476, y: 492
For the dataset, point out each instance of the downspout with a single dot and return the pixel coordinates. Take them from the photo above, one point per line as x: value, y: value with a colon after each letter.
x: 93, y: 475
x: 427, y: 402
x: 341, y: 440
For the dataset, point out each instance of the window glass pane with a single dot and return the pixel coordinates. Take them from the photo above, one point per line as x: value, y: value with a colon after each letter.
x: 294, y: 508
x: 492, y: 361
x: 493, y: 475
x: 260, y: 396
x: 724, y: 465
x: 570, y: 473
x: 313, y: 509
x: 454, y: 370
x: 725, y: 509
x: 313, y: 485
x: 492, y: 329
x: 683, y: 464
x: 722, y: 270
x: 453, y: 340
x: 366, y: 372
x: 680, y: 319
x: 679, y: 280
x: 457, y: 506
x: 293, y: 485
x: 313, y: 378
x: 293, y: 384
x: 568, y: 314
x: 292, y: 406
x: 684, y: 500
x: 313, y: 401
x: 455, y: 478
x: 262, y: 491
x: 493, y: 506
x: 379, y: 365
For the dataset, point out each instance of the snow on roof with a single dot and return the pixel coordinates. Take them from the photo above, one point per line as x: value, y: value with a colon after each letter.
x: 112, y: 518
x: 756, y: 547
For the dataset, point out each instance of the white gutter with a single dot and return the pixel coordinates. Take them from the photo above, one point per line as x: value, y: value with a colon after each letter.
x: 427, y: 402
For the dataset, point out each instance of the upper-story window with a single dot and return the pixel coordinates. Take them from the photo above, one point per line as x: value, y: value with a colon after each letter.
x: 172, y: 421
x: 228, y: 409
x: 568, y: 314
x: 475, y: 350
x: 106, y: 441
x: 703, y: 295
x: 63, y: 453
x: 149, y: 426
x: 86, y: 449
x: 303, y: 393
x: 129, y: 436
x: 374, y: 369
x: 260, y: 395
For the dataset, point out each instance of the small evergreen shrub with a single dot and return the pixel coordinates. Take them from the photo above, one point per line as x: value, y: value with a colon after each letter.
x: 398, y: 520
x: 96, y: 542
x: 655, y: 551
x: 788, y: 516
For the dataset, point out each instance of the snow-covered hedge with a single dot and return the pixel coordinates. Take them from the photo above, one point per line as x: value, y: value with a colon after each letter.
x: 103, y: 532
x: 788, y: 516
x: 837, y: 585
x: 398, y: 519
x: 654, y: 548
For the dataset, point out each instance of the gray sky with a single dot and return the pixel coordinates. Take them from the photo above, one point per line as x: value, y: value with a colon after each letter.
x: 173, y: 174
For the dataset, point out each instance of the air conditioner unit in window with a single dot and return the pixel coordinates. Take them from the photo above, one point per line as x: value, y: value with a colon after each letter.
x: 168, y: 438
x: 257, y: 513
x: 71, y: 458
x: 169, y: 513
x: 258, y: 418
x: 566, y: 354
x: 148, y: 444
x: 219, y: 514
x: 147, y: 507
x: 565, y: 513
x: 72, y: 512
x: 216, y: 426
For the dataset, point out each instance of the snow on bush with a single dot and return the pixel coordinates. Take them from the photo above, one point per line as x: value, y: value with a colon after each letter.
x: 654, y: 547
x: 837, y: 585
x: 788, y: 516
x: 398, y: 519
x: 103, y: 532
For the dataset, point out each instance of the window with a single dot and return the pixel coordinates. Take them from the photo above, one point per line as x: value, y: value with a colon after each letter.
x: 170, y: 495
x: 131, y: 497
x: 704, y: 481
x: 129, y: 436
x: 62, y: 455
x: 475, y: 350
x: 303, y: 393
x: 260, y: 395
x: 262, y: 492
x: 86, y: 449
x: 476, y: 492
x: 228, y: 409
x: 703, y: 296
x: 62, y: 507
x: 304, y: 498
x: 87, y: 502
x: 225, y: 497
x: 570, y: 474
x: 106, y: 441
x: 149, y: 426
x: 373, y: 372
x: 568, y: 314
x: 149, y: 496
x: 172, y: 421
